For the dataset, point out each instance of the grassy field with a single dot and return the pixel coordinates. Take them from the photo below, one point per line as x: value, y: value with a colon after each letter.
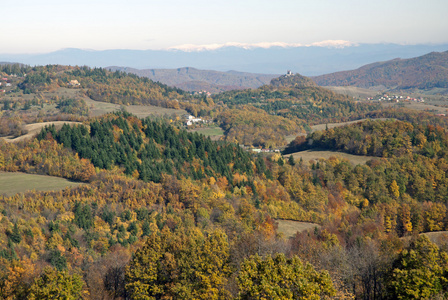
x: 434, y: 94
x: 290, y: 138
x: 353, y: 91
x: 35, y: 128
x: 437, y: 109
x: 13, y: 183
x: 213, y: 132
x: 143, y: 111
x: 290, y: 228
x: 439, y: 238
x: 317, y: 154
x: 320, y: 127
x: 97, y: 108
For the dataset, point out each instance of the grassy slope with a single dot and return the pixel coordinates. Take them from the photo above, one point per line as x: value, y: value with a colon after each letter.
x: 35, y: 128
x: 13, y: 183
x: 290, y: 228
x: 97, y: 108
x: 317, y: 154
x: 353, y: 91
x: 333, y: 125
x: 213, y: 132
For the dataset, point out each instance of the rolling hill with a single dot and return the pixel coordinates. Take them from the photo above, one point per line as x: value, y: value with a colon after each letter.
x: 192, y: 79
x: 423, y: 72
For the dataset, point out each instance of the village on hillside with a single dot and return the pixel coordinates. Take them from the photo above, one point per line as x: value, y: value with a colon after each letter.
x: 395, y: 98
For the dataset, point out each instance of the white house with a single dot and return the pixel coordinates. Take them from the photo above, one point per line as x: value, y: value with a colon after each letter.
x: 191, y: 119
x: 74, y: 82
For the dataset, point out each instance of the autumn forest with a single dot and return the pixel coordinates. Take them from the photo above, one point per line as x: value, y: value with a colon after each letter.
x: 165, y: 212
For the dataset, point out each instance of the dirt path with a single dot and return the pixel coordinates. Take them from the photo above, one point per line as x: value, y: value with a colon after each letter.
x: 35, y: 128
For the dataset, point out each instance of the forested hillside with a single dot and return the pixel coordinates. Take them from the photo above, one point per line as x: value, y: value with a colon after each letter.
x: 390, y: 138
x: 423, y: 72
x: 168, y: 214
x: 287, y: 100
x: 54, y: 93
x: 259, y: 117
x: 148, y: 149
x: 296, y: 97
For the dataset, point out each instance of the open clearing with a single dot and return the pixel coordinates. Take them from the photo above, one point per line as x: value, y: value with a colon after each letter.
x: 439, y: 238
x: 35, y: 128
x: 143, y: 111
x: 215, y: 133
x: 354, y: 91
x: 290, y: 228
x: 309, y: 155
x: 437, y: 109
x: 97, y: 108
x: 13, y: 183
x: 320, y: 127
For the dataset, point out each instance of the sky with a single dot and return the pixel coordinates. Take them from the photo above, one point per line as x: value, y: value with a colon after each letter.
x: 30, y: 26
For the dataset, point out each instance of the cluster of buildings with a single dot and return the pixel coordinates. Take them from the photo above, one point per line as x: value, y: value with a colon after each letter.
x: 204, y: 92
x: 192, y: 120
x: 258, y: 150
x: 396, y: 98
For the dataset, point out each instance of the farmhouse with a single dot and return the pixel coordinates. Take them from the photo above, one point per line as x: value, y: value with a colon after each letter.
x: 191, y: 119
x: 74, y: 83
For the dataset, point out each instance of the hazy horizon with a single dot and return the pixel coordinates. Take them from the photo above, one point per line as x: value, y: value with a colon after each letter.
x: 50, y: 25
x: 339, y: 44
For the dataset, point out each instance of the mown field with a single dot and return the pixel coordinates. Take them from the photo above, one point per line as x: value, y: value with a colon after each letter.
x: 97, y: 108
x: 319, y: 127
x: 213, y: 132
x: 290, y: 228
x: 35, y: 128
x: 426, y: 106
x: 317, y: 154
x: 13, y: 183
x: 353, y: 91
x: 333, y: 125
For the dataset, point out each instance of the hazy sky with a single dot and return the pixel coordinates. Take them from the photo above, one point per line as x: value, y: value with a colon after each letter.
x: 30, y: 26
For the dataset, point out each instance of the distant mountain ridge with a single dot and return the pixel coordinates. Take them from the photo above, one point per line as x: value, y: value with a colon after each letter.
x: 423, y: 72
x: 192, y: 79
x: 309, y: 61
